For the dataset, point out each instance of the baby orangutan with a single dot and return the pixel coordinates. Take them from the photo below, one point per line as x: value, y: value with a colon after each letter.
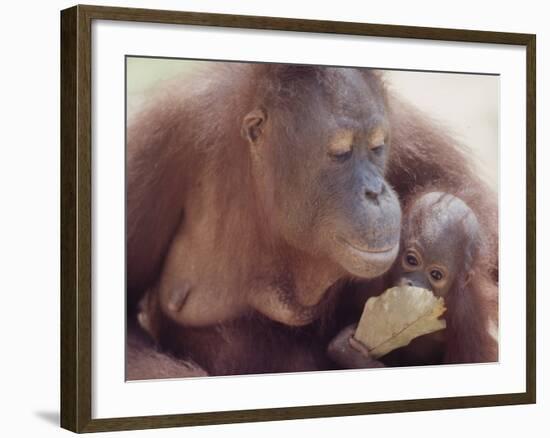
x: 442, y: 250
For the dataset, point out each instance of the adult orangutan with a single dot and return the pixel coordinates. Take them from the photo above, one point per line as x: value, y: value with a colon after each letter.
x: 255, y: 194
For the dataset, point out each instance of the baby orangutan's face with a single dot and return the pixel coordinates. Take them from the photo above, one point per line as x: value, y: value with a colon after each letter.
x: 416, y: 268
x: 436, y: 231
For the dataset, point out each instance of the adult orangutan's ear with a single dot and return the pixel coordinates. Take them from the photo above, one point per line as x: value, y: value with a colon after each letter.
x: 253, y: 125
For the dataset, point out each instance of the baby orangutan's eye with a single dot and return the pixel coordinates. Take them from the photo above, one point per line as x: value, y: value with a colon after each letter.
x: 411, y: 260
x: 436, y: 274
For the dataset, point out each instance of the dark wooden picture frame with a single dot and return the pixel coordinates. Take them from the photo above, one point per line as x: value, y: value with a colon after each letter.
x: 76, y: 217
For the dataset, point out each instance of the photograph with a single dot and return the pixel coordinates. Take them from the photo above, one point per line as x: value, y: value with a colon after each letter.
x: 275, y: 219
x: 268, y: 218
x: 299, y: 218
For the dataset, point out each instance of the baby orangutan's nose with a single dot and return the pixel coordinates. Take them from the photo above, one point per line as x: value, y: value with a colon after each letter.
x: 414, y: 279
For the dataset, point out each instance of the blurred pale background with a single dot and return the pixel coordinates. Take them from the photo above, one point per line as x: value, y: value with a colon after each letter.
x: 467, y: 104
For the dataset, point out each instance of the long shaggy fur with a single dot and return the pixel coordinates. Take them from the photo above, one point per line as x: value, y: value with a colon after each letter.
x: 189, y: 135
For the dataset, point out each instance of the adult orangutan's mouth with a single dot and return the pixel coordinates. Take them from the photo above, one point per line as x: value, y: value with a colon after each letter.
x: 382, y: 250
x: 367, y: 262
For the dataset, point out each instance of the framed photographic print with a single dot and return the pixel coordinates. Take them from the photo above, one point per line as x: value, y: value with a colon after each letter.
x: 268, y: 218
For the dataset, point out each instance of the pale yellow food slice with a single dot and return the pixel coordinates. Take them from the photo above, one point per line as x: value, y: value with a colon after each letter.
x: 393, y: 319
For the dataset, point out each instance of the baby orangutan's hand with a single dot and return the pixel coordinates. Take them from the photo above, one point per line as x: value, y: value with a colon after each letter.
x: 348, y: 352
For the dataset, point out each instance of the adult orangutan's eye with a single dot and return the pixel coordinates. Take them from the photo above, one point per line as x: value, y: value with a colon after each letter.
x: 340, y: 156
x: 379, y: 150
x: 340, y: 145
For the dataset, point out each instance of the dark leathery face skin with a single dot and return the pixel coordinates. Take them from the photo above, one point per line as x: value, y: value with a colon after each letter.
x: 326, y: 160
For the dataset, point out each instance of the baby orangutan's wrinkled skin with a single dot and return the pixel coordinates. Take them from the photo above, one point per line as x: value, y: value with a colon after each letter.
x: 441, y: 243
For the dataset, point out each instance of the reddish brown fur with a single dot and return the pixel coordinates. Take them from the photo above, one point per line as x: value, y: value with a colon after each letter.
x: 466, y: 338
x: 424, y: 156
x: 249, y: 345
x: 160, y: 175
x: 471, y: 302
x: 470, y: 307
x: 145, y: 361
